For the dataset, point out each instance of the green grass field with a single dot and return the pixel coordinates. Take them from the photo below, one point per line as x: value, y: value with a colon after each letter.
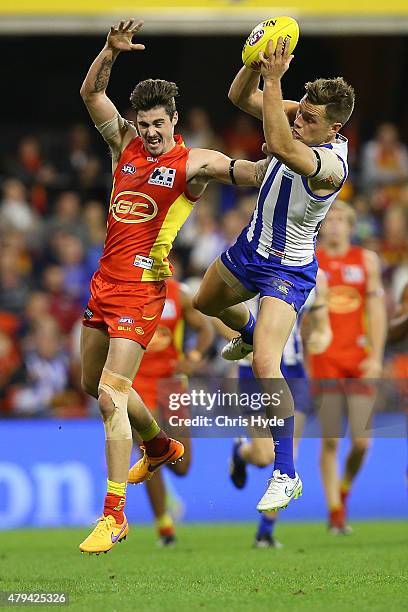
x: 215, y: 568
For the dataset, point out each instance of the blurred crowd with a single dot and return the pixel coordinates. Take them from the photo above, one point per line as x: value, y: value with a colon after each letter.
x: 54, y: 199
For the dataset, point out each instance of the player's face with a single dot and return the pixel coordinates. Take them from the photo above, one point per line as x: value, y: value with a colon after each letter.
x: 336, y: 228
x: 311, y: 125
x: 156, y: 129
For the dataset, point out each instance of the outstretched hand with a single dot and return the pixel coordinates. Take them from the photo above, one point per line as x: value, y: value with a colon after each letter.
x: 120, y: 37
x: 276, y: 62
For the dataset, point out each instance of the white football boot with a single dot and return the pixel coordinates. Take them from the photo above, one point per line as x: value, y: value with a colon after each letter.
x: 236, y: 349
x: 281, y: 490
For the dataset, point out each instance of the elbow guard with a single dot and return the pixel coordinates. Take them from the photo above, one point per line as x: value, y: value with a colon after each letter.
x: 111, y: 128
x: 329, y: 169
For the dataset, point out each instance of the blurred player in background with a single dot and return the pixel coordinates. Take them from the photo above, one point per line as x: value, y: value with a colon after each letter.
x: 259, y: 449
x: 358, y: 320
x: 164, y: 360
x: 156, y: 181
x: 275, y: 254
x: 397, y: 341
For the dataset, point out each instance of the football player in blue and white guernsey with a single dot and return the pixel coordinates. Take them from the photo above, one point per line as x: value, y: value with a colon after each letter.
x: 275, y: 254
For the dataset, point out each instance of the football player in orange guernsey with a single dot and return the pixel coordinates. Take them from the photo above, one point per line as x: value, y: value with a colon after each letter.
x: 358, y: 321
x: 164, y: 359
x: 156, y: 181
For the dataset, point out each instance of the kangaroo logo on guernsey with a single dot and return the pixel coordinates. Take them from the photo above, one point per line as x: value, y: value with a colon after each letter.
x: 133, y: 207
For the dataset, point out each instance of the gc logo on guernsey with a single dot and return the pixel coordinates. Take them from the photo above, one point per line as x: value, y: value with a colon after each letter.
x: 134, y: 204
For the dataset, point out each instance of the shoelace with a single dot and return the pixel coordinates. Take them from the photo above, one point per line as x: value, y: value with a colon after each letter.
x: 104, y: 523
x: 274, y: 482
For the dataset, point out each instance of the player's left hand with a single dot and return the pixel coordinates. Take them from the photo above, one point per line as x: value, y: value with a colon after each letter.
x: 276, y: 62
x: 318, y: 342
x: 371, y: 367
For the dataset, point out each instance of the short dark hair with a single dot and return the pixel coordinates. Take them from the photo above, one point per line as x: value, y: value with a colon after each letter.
x: 336, y: 94
x: 154, y: 92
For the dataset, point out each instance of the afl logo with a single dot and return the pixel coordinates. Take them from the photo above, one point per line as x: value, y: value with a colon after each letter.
x: 128, y: 169
x: 133, y: 207
x: 343, y: 299
x: 255, y: 37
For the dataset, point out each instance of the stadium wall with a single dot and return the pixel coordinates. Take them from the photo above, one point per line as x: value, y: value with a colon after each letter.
x: 53, y: 473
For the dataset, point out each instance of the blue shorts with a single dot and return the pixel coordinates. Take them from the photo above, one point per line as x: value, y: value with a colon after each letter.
x: 269, y: 277
x: 297, y: 381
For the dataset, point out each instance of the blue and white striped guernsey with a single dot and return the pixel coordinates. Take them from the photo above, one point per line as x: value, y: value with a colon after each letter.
x: 288, y: 215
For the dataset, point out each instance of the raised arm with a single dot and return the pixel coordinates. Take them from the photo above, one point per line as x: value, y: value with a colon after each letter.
x: 115, y: 130
x: 246, y: 95
x: 278, y: 134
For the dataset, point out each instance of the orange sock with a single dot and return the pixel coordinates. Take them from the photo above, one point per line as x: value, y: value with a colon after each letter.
x: 115, y: 500
x: 165, y: 525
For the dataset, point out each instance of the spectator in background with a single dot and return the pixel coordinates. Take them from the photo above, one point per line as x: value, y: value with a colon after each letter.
x: 94, y: 218
x: 11, y: 370
x: 46, y: 365
x: 30, y: 166
x: 65, y: 308
x: 15, y: 211
x: 394, y: 246
x: 208, y: 242
x: 81, y: 167
x: 243, y: 139
x: 14, y: 285
x: 232, y: 224
x: 198, y: 131
x: 246, y: 205
x: 66, y: 217
x: 385, y: 162
x: 367, y: 225
x: 71, y: 258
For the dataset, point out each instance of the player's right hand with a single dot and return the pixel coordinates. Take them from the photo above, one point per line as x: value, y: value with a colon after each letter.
x: 120, y: 36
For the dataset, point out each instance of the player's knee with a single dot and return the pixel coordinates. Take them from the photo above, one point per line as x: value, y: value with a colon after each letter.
x: 204, y: 306
x: 113, y: 398
x: 266, y: 367
x: 106, y: 405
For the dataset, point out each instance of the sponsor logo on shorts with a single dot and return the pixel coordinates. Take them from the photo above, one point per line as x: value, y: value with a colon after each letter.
x: 139, y: 331
x: 128, y: 169
x: 88, y: 314
x: 164, y: 177
x: 141, y: 261
x: 127, y: 320
x: 123, y: 328
x: 281, y: 285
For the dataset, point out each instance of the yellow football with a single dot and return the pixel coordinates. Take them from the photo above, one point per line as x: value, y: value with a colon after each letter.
x: 286, y: 27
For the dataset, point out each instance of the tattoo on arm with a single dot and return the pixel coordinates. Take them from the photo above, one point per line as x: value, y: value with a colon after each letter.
x: 103, y: 74
x: 260, y: 170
